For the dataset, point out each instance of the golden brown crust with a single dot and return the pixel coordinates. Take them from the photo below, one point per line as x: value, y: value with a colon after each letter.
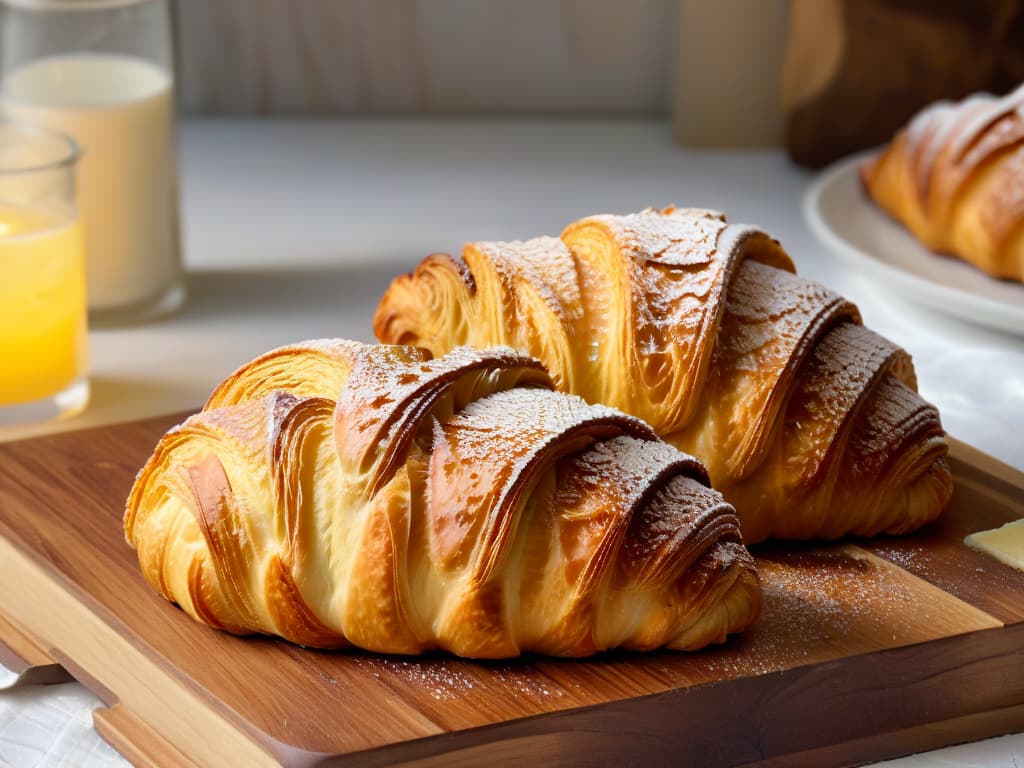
x: 456, y: 503
x: 955, y: 178
x: 703, y: 330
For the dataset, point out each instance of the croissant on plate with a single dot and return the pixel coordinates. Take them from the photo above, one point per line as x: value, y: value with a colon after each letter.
x: 955, y: 178
x: 808, y: 423
x: 335, y: 493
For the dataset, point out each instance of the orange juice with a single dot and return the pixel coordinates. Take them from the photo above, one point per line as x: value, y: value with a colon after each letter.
x: 42, y: 303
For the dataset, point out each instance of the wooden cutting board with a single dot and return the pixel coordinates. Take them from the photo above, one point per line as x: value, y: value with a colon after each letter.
x: 866, y: 649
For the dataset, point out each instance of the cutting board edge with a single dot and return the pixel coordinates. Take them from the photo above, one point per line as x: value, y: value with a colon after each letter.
x: 966, y: 454
x: 25, y: 659
x: 888, y: 746
x: 136, y: 741
x: 569, y: 733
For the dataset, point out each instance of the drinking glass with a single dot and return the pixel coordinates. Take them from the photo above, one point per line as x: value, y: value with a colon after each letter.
x: 42, y: 277
x: 102, y: 72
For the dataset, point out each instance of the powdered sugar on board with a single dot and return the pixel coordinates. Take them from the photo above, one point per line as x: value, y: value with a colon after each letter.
x: 825, y: 602
x: 449, y: 679
x: 821, y: 602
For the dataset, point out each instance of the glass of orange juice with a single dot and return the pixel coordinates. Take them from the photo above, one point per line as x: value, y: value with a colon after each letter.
x: 42, y: 277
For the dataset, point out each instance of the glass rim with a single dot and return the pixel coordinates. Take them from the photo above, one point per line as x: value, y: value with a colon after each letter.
x: 67, y: 159
x: 71, y: 5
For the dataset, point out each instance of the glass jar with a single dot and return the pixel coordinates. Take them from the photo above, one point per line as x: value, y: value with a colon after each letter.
x: 102, y: 72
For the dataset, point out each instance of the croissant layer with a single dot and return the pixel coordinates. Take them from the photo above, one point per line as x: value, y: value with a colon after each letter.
x: 339, y: 494
x: 808, y: 422
x: 955, y: 178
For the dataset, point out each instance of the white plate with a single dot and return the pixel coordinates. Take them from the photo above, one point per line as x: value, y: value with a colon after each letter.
x: 842, y: 217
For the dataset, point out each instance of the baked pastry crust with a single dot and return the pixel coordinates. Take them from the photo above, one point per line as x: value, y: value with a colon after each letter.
x: 955, y: 178
x: 808, y: 423
x: 335, y: 494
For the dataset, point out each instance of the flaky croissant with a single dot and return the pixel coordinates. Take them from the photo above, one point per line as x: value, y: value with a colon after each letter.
x: 336, y: 493
x: 808, y: 423
x: 955, y: 178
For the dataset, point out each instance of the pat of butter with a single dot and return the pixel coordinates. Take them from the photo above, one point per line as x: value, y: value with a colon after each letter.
x: 1005, y: 543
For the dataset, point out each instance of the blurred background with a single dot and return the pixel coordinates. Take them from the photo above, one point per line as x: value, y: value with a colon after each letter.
x: 323, y: 146
x: 825, y: 77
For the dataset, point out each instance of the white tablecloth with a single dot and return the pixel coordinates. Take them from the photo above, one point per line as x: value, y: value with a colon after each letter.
x: 293, y: 229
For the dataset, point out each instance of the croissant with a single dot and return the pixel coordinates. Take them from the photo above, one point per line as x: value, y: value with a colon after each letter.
x: 955, y: 178
x: 337, y: 494
x: 808, y: 423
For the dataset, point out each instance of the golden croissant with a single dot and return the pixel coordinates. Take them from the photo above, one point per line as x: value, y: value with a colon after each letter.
x: 335, y: 494
x: 955, y: 178
x: 808, y: 423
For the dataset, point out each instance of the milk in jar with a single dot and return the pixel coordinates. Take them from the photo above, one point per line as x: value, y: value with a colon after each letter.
x: 119, y: 108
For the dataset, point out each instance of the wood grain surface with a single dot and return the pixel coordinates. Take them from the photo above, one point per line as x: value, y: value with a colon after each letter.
x: 28, y: 663
x: 866, y: 649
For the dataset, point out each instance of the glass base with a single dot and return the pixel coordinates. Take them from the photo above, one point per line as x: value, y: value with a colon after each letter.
x: 169, y: 300
x: 69, y: 401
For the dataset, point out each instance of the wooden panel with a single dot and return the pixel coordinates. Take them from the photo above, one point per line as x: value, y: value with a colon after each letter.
x: 19, y: 651
x: 25, y: 660
x: 945, y: 733
x: 140, y: 744
x: 843, y: 626
x: 259, y: 57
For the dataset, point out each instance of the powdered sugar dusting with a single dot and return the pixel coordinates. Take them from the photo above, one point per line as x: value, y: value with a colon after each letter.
x: 638, y: 462
x: 443, y: 679
x: 837, y: 375
x: 881, y: 433
x: 823, y: 596
x: 543, y: 263
x: 824, y: 603
x: 619, y: 473
x: 390, y: 389
x: 685, y: 237
x: 945, y: 132
x: 389, y: 374
x: 911, y: 557
x: 526, y: 416
x: 528, y: 685
x: 974, y: 122
x: 773, y: 318
x: 447, y: 679
x: 504, y: 437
